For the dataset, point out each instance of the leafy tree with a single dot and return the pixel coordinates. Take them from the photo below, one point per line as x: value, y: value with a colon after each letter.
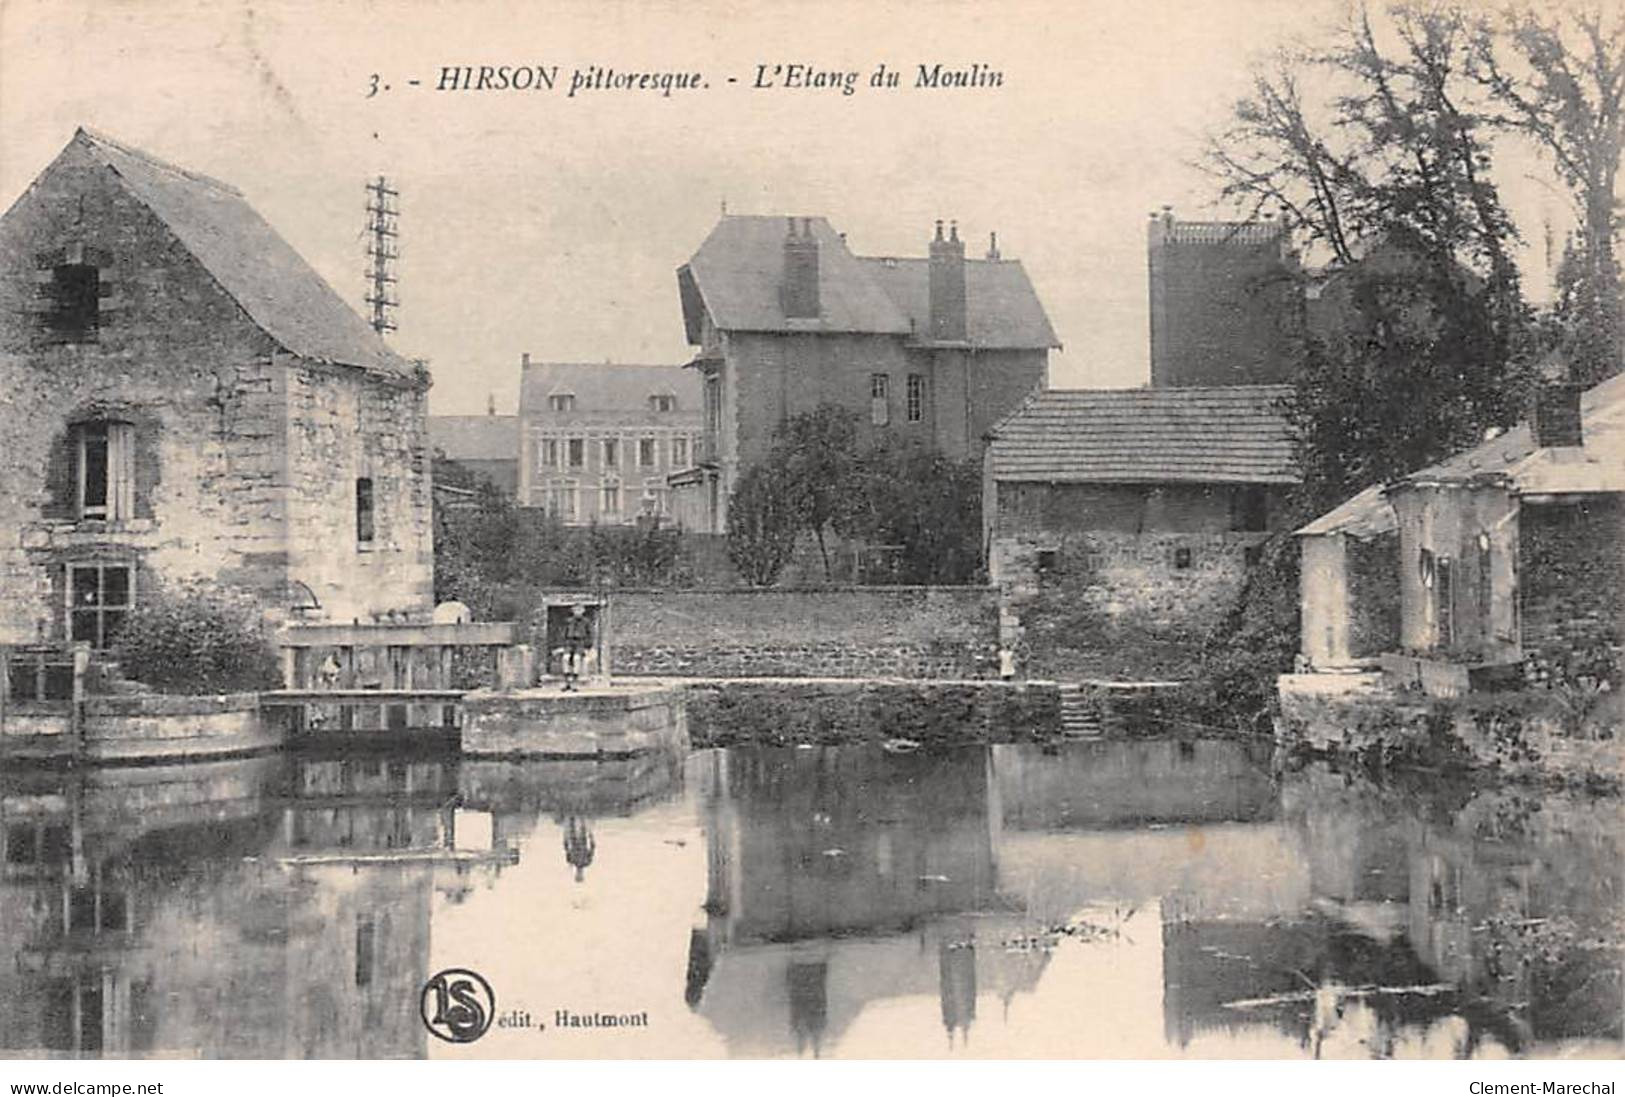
x: 763, y: 523
x: 1388, y: 173
x: 1558, y: 77
x: 1393, y: 162
x: 815, y: 455
x: 926, y: 505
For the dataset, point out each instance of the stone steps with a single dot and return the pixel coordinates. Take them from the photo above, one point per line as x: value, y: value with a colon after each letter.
x: 1080, y: 719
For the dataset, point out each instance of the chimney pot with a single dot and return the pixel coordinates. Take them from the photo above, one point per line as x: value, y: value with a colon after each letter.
x: 993, y: 245
x: 939, y: 229
x: 524, y: 359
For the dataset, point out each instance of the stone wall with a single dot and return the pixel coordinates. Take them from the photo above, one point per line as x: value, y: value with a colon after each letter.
x: 342, y: 428
x: 904, y: 632
x: 1165, y: 583
x: 1572, y: 587
x: 833, y: 713
x: 221, y: 492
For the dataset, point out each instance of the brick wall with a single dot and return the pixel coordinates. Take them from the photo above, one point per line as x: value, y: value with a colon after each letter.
x: 905, y: 632
x: 1572, y: 585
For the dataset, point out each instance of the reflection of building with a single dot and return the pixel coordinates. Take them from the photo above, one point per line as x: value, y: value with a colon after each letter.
x: 260, y: 908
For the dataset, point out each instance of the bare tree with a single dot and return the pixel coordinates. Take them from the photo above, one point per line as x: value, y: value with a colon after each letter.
x: 1558, y: 76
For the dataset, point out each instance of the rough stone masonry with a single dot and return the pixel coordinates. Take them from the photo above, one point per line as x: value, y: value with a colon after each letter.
x: 177, y: 405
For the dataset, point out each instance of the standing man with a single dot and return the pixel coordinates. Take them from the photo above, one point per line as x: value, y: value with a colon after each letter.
x: 577, y: 642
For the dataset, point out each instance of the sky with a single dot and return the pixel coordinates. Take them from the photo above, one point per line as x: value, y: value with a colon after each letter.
x: 543, y: 223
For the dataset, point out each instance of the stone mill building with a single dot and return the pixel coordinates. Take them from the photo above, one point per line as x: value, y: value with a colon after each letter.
x: 183, y: 398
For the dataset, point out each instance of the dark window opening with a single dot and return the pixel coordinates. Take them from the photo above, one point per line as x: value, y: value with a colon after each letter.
x: 364, y: 933
x: 76, y: 290
x: 1046, y: 561
x: 1252, y: 555
x: 115, y: 911
x: 364, y: 527
x: 1250, y: 512
x: 82, y: 909
x: 646, y: 452
x: 663, y: 403
x: 20, y: 845
x: 577, y: 452
x: 1182, y: 558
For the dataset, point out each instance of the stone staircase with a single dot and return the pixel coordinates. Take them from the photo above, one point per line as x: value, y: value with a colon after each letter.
x: 1080, y: 713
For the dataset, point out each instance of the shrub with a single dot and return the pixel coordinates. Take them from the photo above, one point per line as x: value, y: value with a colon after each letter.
x: 197, y: 641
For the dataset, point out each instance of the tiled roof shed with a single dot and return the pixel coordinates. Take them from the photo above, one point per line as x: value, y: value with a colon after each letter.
x: 1229, y: 434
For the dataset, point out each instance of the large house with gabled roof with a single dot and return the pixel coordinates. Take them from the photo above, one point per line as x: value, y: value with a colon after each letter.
x: 785, y: 317
x: 184, y: 399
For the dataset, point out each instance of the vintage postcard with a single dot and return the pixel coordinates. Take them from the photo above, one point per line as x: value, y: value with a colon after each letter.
x: 772, y: 530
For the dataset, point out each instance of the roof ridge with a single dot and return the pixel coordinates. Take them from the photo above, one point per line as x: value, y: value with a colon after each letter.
x: 96, y: 137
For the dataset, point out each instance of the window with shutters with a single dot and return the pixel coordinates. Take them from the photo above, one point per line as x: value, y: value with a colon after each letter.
x: 879, y: 399
x: 104, y: 480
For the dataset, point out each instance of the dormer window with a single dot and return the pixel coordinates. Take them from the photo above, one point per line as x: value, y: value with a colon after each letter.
x: 76, y: 290
x: 561, y: 401
x: 663, y: 402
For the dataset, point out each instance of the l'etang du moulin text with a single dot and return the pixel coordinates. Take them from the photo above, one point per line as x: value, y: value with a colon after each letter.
x: 780, y: 76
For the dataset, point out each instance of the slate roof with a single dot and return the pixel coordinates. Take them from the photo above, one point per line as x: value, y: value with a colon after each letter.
x: 736, y: 273
x: 1233, y: 434
x: 1602, y: 411
x: 1512, y: 456
x: 1002, y: 310
x: 476, y: 437
x: 1363, y: 516
x: 611, y: 390
x: 278, y: 290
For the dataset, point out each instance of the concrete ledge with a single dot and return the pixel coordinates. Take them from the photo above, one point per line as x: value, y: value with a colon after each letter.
x: 611, y: 722
x: 147, y: 727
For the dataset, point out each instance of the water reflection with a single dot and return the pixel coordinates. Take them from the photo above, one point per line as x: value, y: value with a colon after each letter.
x: 1109, y: 899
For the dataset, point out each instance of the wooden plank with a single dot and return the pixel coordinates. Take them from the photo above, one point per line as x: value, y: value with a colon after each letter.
x: 358, y: 696
x: 473, y: 634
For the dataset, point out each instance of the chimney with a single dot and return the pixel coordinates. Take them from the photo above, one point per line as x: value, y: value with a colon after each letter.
x: 1556, y: 421
x: 947, y: 286
x: 993, y: 247
x: 524, y: 360
x: 798, y: 293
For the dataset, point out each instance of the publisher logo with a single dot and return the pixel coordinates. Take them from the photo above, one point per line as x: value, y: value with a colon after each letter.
x: 457, y: 1005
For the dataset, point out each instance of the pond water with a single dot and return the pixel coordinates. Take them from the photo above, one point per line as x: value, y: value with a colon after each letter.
x: 1112, y: 899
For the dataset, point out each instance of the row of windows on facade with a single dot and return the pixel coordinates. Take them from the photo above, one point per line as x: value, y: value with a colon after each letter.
x: 566, y: 401
x: 880, y: 398
x: 566, y: 498
x: 552, y: 453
